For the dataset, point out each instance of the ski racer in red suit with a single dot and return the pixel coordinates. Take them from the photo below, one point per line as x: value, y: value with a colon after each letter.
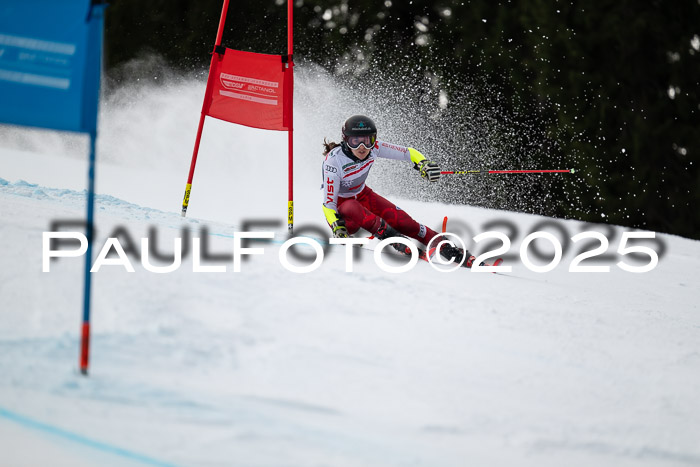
x: 349, y: 204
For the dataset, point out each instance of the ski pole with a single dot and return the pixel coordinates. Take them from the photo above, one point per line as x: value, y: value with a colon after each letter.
x: 474, y: 172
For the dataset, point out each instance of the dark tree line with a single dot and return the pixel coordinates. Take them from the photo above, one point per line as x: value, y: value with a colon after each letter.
x: 614, y: 81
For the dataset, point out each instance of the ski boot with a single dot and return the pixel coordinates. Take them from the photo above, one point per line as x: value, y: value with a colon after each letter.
x: 386, y: 231
x: 451, y: 252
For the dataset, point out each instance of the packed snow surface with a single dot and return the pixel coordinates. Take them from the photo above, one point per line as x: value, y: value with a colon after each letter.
x: 266, y: 367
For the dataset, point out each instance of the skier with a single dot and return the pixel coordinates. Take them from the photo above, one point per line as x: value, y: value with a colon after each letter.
x: 349, y: 204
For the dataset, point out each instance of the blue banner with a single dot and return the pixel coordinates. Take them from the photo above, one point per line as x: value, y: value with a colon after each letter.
x: 50, y: 63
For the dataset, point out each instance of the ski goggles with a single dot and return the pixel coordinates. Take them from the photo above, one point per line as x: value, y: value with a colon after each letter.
x: 354, y: 142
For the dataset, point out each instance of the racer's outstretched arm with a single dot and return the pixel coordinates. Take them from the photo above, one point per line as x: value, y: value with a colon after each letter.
x: 428, y: 169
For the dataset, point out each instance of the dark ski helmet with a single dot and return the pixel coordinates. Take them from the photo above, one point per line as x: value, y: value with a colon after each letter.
x: 359, y: 130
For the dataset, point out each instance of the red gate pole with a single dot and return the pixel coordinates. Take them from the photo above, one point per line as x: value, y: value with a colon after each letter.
x: 290, y: 64
x: 214, y: 56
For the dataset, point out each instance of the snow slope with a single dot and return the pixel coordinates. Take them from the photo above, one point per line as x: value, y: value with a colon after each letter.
x: 266, y: 367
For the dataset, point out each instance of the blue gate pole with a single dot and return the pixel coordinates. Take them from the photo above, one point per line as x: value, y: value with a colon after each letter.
x: 89, y: 233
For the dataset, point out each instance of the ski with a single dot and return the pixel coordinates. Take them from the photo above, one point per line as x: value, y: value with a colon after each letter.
x: 498, y: 262
x: 423, y: 255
